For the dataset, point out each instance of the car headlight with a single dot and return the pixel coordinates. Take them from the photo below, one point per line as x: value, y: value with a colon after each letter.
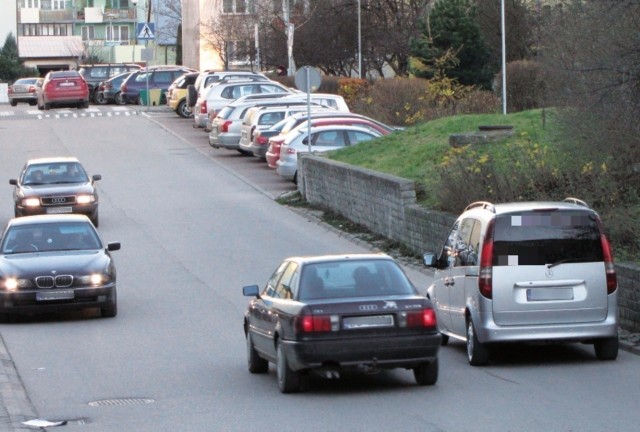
x: 95, y: 279
x: 14, y: 284
x: 85, y: 199
x: 31, y: 202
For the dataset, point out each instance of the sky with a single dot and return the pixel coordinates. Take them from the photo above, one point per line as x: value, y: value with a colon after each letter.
x: 7, y: 19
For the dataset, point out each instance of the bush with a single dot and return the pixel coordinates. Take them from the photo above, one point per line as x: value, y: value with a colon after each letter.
x: 526, y: 85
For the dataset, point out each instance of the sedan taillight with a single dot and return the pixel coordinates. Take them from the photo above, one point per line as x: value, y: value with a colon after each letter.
x: 225, y: 126
x: 425, y: 318
x: 317, y: 323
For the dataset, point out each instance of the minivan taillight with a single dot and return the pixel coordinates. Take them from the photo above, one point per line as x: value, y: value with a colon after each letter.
x: 203, y: 108
x: 485, y: 275
x: 612, y: 279
x: 225, y: 126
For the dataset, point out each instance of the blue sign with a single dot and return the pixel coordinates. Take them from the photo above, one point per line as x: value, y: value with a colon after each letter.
x: 146, y: 31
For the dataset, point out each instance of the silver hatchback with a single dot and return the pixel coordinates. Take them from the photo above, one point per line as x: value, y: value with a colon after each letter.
x: 530, y: 271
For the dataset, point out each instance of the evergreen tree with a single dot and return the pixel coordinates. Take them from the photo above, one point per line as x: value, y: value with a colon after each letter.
x: 10, y: 66
x: 451, y: 27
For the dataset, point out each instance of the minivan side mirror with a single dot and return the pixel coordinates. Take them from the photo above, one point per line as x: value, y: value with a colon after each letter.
x: 430, y: 259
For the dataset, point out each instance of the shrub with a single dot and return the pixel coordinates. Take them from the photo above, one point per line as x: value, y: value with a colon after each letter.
x: 526, y: 85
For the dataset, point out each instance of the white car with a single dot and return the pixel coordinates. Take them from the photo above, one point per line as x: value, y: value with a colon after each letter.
x: 323, y: 139
x: 217, y: 96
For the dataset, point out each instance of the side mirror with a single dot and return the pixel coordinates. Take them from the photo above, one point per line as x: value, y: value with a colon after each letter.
x: 430, y: 259
x: 96, y: 177
x: 251, y: 291
x: 114, y: 246
x: 13, y: 182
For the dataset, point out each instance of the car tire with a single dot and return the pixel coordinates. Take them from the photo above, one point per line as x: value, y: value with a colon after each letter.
x: 607, y: 348
x: 477, y: 353
x: 426, y: 373
x: 288, y: 380
x: 32, y: 103
x: 119, y: 99
x: 192, y: 95
x: 4, y: 317
x: 255, y: 363
x: 46, y: 106
x: 111, y: 310
x: 15, y: 103
x: 184, y: 110
x: 99, y: 98
x: 40, y: 107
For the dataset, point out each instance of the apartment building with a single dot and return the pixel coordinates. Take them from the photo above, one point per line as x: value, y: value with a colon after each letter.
x: 61, y: 34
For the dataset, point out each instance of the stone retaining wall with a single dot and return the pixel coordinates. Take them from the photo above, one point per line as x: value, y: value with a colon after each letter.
x: 386, y: 205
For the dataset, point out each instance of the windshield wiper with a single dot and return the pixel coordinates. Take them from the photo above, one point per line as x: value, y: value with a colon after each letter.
x: 569, y: 260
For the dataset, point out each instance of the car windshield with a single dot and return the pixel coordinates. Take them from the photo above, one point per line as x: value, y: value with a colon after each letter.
x: 60, y: 236
x: 353, y: 278
x: 54, y: 173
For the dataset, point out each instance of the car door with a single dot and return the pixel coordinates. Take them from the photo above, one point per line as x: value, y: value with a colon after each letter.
x: 439, y: 289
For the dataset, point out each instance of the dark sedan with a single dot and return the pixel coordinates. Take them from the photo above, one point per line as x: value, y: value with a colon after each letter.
x: 55, y: 263
x: 328, y: 314
x: 54, y: 186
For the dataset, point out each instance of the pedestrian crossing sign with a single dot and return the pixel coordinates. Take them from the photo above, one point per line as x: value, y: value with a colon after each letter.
x: 146, y: 31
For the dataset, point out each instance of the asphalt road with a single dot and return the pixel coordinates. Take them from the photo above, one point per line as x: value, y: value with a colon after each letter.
x: 194, y: 230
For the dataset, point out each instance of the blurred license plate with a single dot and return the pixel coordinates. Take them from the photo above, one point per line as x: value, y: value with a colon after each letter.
x: 67, y: 84
x: 54, y: 295
x: 350, y: 323
x: 59, y: 210
x: 547, y: 294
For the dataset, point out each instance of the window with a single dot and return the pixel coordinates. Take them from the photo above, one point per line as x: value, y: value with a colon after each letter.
x: 283, y: 289
x: 356, y: 136
x: 237, y: 6
x: 32, y: 4
x: 270, y: 289
x: 88, y: 33
x: 57, y: 4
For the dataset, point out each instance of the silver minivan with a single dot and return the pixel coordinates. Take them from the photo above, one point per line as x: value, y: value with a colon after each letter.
x: 529, y: 271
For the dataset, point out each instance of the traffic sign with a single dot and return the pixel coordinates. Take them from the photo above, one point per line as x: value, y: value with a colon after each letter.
x: 146, y: 31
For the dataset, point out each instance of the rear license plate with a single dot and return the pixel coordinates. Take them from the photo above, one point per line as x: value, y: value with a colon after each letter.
x: 350, y: 323
x: 548, y: 294
x: 67, y: 84
x: 54, y: 295
x: 59, y: 210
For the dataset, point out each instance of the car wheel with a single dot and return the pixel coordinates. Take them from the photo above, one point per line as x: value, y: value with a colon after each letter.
x: 84, y: 104
x: 46, y: 106
x: 288, y: 380
x: 14, y: 103
x: 40, y: 107
x: 32, y: 103
x: 255, y: 363
x: 184, y: 110
x: 99, y: 98
x: 111, y: 310
x: 119, y: 99
x: 607, y: 348
x: 4, y: 317
x: 477, y: 353
x: 426, y: 373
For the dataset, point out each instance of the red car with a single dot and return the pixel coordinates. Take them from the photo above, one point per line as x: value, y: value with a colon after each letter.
x: 63, y: 88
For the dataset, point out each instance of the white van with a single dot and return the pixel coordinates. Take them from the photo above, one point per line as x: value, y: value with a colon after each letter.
x: 529, y: 271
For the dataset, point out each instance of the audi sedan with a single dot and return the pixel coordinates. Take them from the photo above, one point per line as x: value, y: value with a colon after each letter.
x: 334, y: 313
x: 54, y: 186
x: 55, y: 263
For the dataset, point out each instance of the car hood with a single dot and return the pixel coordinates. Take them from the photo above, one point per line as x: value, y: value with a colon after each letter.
x: 58, y: 189
x: 62, y: 262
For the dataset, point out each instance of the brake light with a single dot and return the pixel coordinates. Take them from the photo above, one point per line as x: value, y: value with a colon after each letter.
x: 290, y: 150
x: 609, y: 268
x: 225, y: 126
x: 485, y: 276
x: 425, y: 318
x: 261, y: 140
x: 317, y: 323
x: 32, y: 89
x: 203, y: 108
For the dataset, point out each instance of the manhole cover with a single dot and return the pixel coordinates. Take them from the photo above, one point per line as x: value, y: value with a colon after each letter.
x: 121, y: 402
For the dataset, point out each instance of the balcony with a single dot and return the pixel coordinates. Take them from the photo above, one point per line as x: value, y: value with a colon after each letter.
x: 76, y: 16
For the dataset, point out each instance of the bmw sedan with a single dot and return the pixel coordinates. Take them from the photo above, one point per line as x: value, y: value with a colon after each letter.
x: 334, y: 313
x: 54, y: 186
x: 55, y: 263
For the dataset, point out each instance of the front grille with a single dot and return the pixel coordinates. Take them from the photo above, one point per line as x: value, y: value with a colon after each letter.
x: 59, y: 200
x: 62, y: 281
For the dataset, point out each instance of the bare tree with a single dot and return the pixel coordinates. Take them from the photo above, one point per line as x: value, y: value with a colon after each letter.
x: 170, y: 14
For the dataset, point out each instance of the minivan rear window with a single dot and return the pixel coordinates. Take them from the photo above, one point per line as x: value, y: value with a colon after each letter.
x: 546, y: 237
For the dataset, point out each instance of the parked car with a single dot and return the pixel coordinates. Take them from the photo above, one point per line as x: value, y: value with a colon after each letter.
x: 109, y: 91
x: 94, y: 74
x: 261, y: 118
x: 274, y: 142
x: 217, y: 96
x: 154, y: 78
x: 323, y: 139
x: 63, y: 88
x: 208, y: 77
x: 53, y: 186
x: 528, y: 271
x: 24, y: 90
x: 334, y: 101
x: 55, y: 263
x: 329, y: 314
x: 177, y: 94
x: 225, y: 128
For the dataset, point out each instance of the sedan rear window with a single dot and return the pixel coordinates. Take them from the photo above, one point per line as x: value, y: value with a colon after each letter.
x: 546, y: 237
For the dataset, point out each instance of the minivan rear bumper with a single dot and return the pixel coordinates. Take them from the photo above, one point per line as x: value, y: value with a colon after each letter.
x: 488, y: 331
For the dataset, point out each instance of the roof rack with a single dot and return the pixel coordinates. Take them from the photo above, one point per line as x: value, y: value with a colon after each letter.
x: 576, y: 201
x: 485, y: 205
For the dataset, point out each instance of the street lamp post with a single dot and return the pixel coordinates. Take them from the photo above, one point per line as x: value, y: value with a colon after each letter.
x: 359, y: 43
x: 135, y: 26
